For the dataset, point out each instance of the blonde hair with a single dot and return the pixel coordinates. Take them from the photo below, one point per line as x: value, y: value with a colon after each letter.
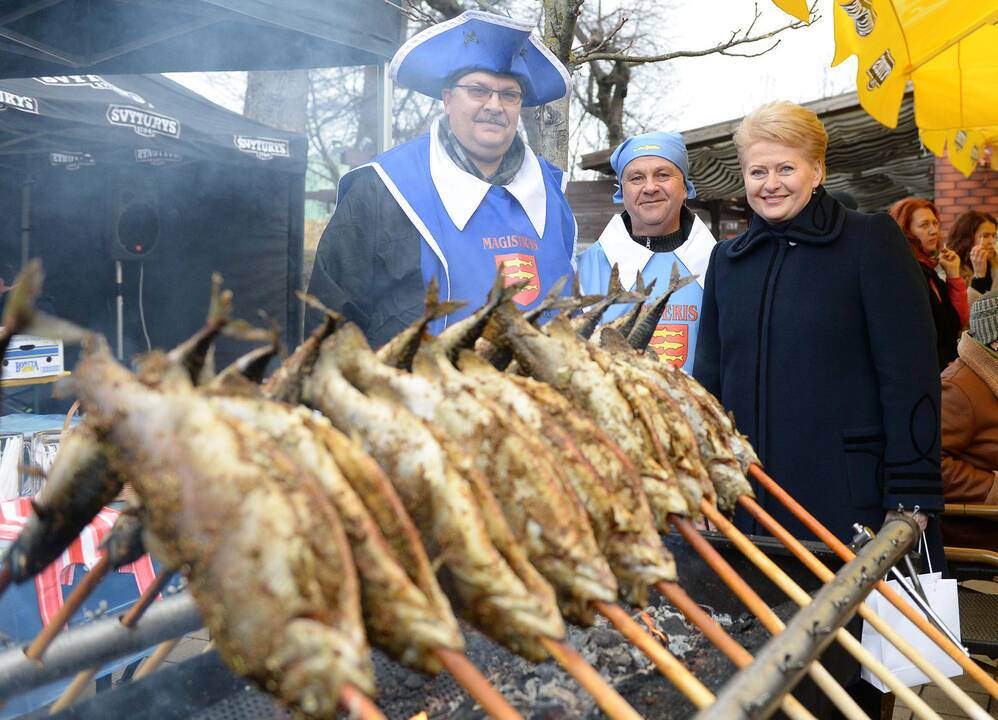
x: 785, y: 123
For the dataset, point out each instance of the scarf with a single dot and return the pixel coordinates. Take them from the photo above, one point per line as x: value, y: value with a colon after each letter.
x: 818, y: 223
x: 509, y: 166
x: 663, y: 243
x: 981, y: 360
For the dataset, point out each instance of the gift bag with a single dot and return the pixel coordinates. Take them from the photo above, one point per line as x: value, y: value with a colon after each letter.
x: 942, y: 598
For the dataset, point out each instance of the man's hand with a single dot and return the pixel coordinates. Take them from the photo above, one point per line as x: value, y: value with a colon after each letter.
x: 950, y: 262
x: 921, y: 518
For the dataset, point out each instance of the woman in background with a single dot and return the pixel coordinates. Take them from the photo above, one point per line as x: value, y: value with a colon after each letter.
x: 972, y: 238
x: 919, y: 220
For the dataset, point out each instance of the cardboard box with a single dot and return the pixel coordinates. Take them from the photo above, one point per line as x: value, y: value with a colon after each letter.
x: 32, y: 357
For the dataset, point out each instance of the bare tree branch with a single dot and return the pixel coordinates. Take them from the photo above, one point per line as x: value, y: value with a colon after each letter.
x: 733, y: 41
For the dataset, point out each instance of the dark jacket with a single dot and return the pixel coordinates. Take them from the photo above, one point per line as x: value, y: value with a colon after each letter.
x: 817, y: 336
x: 367, y: 262
x: 945, y: 316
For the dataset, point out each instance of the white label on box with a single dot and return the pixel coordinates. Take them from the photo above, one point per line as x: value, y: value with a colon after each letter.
x: 31, y: 357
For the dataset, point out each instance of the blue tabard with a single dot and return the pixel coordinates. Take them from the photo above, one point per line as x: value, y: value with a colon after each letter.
x: 498, y: 233
x: 675, y: 337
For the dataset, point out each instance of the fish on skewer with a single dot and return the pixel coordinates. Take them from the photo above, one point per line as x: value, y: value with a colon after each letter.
x: 603, y: 478
x: 527, y: 480
x: 495, y: 587
x: 616, y: 293
x: 215, y: 500
x: 79, y: 483
x: 401, y: 349
x: 723, y: 468
x: 625, y: 322
x: 556, y: 358
x: 399, y: 616
x: 661, y: 420
x: 285, y: 384
x: 651, y: 313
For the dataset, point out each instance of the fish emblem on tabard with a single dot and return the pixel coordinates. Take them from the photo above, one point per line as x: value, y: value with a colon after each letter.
x: 671, y: 343
x: 520, y: 267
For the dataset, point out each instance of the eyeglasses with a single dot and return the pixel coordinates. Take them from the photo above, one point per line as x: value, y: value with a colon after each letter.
x: 480, y: 93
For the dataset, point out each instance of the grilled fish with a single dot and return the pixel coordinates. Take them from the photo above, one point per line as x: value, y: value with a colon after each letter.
x: 268, y: 564
x: 401, y: 349
x: 399, y: 617
x: 495, y: 588
x: 650, y: 316
x: 597, y: 470
x: 559, y: 357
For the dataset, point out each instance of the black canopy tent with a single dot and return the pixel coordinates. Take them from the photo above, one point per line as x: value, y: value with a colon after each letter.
x: 55, y: 37
x: 140, y: 170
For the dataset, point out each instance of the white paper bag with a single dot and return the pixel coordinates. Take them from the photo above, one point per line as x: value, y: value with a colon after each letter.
x: 942, y: 597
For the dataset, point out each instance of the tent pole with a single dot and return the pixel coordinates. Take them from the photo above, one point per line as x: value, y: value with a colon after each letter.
x: 384, y: 108
x: 120, y: 309
x: 26, y: 219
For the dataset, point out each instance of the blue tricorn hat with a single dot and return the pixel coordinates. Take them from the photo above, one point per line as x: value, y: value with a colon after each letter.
x: 477, y: 40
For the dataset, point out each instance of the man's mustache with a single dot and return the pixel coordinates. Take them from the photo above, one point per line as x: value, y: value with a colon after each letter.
x: 497, y: 119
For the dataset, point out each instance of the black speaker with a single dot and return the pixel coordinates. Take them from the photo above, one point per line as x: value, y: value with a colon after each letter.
x: 135, y: 221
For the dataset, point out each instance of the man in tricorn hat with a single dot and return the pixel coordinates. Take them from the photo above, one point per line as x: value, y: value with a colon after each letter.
x: 460, y: 202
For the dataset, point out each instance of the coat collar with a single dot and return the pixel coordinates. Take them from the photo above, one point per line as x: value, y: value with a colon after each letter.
x: 819, y: 223
x: 462, y: 192
x: 980, y: 361
x: 630, y: 257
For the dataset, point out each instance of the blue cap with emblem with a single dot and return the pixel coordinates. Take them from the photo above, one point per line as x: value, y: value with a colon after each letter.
x: 668, y: 145
x: 477, y: 40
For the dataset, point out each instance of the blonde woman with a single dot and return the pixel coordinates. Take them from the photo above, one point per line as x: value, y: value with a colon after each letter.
x: 816, y: 333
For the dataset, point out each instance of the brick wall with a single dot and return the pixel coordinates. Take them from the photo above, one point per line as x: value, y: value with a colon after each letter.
x: 956, y: 194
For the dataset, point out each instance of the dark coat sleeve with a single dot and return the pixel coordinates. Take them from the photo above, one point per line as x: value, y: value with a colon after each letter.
x: 707, y: 361
x: 367, y: 264
x: 903, y: 344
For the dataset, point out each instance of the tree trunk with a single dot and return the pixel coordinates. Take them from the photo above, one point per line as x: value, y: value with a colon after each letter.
x: 277, y: 98
x: 560, y: 17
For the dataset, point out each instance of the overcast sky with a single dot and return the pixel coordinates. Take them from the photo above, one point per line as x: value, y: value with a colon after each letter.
x: 701, y: 91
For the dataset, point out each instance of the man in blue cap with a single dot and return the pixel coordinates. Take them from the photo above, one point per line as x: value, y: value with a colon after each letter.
x: 461, y: 202
x: 654, y: 230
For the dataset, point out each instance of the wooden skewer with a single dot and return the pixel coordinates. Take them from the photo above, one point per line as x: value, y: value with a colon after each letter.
x: 608, y: 699
x: 741, y: 657
x: 79, y: 684
x: 76, y: 599
x: 821, y: 677
x: 156, y: 659
x: 145, y: 600
x: 797, y: 594
x: 840, y: 549
x: 83, y: 678
x: 809, y: 560
x: 358, y: 705
x: 666, y: 662
x: 469, y: 677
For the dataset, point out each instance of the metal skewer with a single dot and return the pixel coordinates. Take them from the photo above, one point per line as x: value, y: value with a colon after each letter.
x: 666, y: 662
x: 810, y: 561
x: 608, y: 699
x: 797, y: 594
x: 822, y: 678
x: 840, y: 549
x: 741, y: 657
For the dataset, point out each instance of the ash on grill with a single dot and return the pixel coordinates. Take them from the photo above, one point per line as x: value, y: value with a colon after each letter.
x: 546, y: 692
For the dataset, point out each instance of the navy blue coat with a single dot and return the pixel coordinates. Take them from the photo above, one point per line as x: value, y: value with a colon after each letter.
x: 817, y: 335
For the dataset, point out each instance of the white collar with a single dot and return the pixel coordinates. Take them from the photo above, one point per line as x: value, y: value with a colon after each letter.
x: 630, y: 257
x: 462, y: 192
